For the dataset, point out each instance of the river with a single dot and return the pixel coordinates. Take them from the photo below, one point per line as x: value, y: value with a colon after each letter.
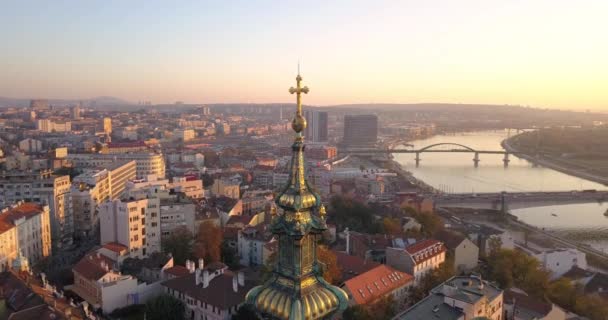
x: 455, y: 173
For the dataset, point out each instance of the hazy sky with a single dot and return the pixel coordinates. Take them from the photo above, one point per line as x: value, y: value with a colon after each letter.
x: 545, y: 53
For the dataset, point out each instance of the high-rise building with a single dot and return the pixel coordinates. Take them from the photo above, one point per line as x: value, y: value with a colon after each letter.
x: 107, y: 126
x: 92, y: 188
x: 316, y: 128
x: 44, y: 188
x: 75, y: 112
x: 133, y: 223
x: 360, y: 131
x: 297, y: 289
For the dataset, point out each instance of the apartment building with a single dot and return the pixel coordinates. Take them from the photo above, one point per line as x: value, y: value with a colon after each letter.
x: 95, y: 186
x: 44, y: 188
x: 132, y: 223
x: 417, y: 259
x: 24, y: 229
x: 147, y: 163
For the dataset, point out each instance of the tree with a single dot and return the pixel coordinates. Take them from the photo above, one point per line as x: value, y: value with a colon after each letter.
x: 165, y: 307
x: 208, y: 180
x: 355, y: 215
x: 245, y: 312
x: 430, y: 222
x: 494, y: 245
x: 229, y: 256
x: 381, y: 309
x: 331, y: 271
x: 356, y: 312
x: 563, y: 293
x: 179, y: 244
x: 515, y: 268
x: 209, y: 242
x: 392, y: 226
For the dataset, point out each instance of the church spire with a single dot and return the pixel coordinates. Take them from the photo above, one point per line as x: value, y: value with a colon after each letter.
x: 297, y: 290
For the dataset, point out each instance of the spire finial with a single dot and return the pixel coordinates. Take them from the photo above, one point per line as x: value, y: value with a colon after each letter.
x: 299, y: 122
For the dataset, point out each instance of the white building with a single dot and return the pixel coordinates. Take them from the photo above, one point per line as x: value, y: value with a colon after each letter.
x: 417, y: 259
x: 561, y: 261
x: 176, y: 214
x: 25, y: 229
x: 132, y: 223
x: 95, y: 186
x: 250, y: 246
x: 147, y: 163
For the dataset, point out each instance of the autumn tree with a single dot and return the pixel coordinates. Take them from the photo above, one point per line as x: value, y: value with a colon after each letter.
x: 209, y: 242
x: 392, y: 226
x: 331, y: 270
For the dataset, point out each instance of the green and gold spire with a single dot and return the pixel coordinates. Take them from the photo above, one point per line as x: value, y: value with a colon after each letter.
x: 297, y: 290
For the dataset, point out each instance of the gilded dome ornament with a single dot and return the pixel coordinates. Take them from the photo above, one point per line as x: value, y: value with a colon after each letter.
x: 297, y: 290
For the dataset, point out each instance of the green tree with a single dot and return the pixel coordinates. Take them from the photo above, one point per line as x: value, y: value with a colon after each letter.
x: 356, y: 312
x: 165, y: 307
x: 355, y: 215
x: 229, y: 256
x: 179, y: 244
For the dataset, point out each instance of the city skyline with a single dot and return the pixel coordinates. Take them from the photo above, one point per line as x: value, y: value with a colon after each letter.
x: 544, y: 54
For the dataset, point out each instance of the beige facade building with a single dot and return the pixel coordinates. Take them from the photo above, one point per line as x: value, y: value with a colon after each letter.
x: 45, y: 188
x: 226, y: 187
x: 147, y: 163
x: 107, y: 125
x: 132, y: 223
x: 48, y: 125
x: 94, y: 187
x: 24, y: 228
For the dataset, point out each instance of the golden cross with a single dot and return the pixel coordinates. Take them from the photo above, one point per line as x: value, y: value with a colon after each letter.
x: 298, y: 90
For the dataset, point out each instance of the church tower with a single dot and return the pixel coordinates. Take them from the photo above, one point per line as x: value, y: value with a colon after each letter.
x: 297, y: 290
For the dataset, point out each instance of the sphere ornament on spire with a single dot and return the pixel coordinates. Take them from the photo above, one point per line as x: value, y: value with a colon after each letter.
x: 296, y: 289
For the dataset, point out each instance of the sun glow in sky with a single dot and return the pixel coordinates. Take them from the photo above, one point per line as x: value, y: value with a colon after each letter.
x: 544, y: 53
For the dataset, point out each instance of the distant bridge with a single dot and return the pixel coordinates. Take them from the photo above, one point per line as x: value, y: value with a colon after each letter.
x: 517, y: 200
x: 457, y: 148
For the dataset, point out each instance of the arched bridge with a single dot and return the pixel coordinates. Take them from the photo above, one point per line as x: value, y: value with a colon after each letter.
x: 433, y: 148
x: 464, y: 148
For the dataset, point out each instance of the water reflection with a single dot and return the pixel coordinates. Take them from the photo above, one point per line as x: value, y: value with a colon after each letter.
x: 455, y: 172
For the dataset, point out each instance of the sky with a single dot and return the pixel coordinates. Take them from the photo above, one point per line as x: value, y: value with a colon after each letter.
x: 542, y: 53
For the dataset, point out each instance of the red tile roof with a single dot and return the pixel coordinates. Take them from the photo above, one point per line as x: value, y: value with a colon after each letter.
x: 425, y: 249
x: 91, y: 267
x: 24, y: 210
x: 375, y: 283
x: 178, y: 271
x: 115, y: 247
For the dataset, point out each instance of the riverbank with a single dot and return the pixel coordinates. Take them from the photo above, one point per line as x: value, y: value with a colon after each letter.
x: 552, y: 164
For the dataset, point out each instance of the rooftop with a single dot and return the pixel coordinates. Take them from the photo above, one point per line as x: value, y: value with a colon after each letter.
x: 375, y: 283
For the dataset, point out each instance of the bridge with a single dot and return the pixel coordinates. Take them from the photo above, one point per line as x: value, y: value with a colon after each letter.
x: 453, y: 148
x: 517, y: 200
